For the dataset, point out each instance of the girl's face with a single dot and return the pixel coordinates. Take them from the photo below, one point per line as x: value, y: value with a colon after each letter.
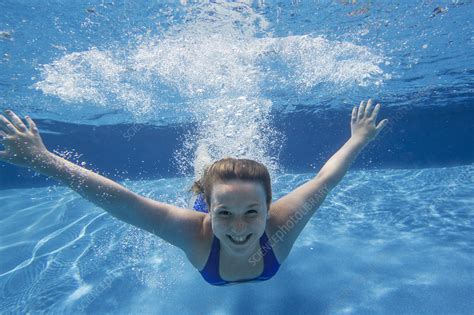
x: 238, y: 215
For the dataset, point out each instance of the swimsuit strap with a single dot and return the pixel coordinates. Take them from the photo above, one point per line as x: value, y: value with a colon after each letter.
x: 211, y: 271
x: 271, y: 264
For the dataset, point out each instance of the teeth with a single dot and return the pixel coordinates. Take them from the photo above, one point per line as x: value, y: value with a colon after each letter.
x: 239, y: 239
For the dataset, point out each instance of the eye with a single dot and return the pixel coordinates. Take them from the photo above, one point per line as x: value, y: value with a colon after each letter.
x: 224, y: 212
x: 252, y: 211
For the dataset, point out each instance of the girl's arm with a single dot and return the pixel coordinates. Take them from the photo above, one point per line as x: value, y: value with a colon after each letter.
x: 299, y: 205
x: 23, y: 146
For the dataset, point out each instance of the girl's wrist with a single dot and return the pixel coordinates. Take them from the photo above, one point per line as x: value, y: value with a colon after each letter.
x: 43, y: 161
x: 359, y: 141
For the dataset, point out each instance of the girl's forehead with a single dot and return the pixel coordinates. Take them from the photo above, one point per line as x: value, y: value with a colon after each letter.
x: 237, y: 186
x: 237, y: 190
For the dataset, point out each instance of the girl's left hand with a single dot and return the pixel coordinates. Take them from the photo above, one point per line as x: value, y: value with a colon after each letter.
x: 363, y: 121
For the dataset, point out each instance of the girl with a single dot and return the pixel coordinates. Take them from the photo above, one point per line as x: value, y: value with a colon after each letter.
x: 236, y: 233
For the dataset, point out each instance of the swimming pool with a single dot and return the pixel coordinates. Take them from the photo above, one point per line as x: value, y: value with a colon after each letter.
x: 128, y: 89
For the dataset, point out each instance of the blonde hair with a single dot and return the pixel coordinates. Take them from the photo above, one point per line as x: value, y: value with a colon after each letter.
x: 231, y: 169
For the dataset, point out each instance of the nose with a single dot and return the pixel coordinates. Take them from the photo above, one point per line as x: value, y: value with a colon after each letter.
x: 238, y: 225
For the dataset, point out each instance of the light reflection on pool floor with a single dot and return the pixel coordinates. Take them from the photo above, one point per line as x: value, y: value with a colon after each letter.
x: 384, y: 241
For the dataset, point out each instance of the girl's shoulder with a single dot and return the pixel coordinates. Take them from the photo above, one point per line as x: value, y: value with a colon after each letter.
x: 200, y: 252
x: 275, y: 239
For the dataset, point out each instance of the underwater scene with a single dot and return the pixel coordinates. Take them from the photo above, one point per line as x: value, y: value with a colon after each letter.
x: 131, y: 90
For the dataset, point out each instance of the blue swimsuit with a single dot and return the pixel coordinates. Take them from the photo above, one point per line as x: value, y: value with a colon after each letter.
x: 210, y: 273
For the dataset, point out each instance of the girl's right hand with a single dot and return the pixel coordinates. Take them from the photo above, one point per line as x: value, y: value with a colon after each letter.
x: 22, y: 145
x: 364, y: 125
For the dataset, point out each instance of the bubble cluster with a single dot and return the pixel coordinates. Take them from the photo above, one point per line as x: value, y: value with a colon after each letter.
x: 215, y: 72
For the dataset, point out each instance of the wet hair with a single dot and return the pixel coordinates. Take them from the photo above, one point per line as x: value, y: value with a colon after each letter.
x: 233, y: 169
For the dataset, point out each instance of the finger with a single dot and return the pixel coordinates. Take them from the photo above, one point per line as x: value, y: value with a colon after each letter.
x: 360, y: 114
x: 3, y: 135
x: 7, y: 126
x: 31, y: 124
x: 16, y: 121
x: 375, y: 112
x: 381, y: 125
x: 367, y: 108
x: 354, y: 115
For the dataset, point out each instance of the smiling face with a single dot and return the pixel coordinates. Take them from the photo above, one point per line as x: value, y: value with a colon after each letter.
x: 238, y: 215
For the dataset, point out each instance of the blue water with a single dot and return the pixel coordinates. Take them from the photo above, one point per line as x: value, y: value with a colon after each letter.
x: 128, y: 88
